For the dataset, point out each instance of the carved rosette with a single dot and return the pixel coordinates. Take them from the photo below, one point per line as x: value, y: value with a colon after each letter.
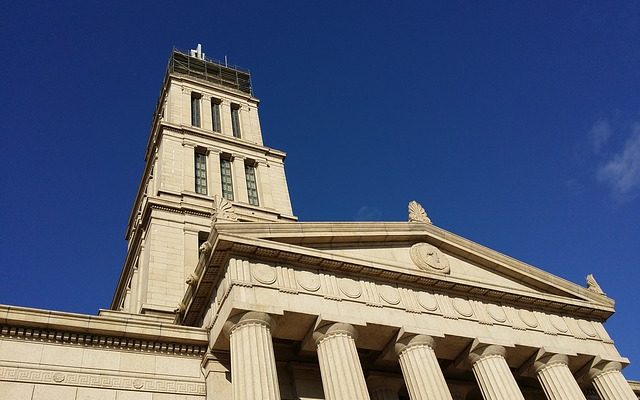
x: 429, y: 258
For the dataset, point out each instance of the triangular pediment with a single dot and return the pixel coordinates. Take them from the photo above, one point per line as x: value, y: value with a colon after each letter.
x: 403, y: 253
x: 387, y: 245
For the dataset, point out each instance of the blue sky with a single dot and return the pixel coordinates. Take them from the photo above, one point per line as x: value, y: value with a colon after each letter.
x: 516, y: 124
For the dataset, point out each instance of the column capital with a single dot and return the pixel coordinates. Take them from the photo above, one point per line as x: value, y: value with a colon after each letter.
x: 480, y: 351
x: 332, y: 329
x: 248, y: 318
x: 548, y: 360
x: 603, y: 367
x: 409, y: 341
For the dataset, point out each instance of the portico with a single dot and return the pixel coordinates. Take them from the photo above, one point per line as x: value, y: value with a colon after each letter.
x: 423, y: 333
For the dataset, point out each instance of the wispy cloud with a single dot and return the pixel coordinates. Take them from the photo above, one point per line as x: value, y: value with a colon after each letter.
x: 599, y: 135
x: 621, y: 170
x: 366, y: 213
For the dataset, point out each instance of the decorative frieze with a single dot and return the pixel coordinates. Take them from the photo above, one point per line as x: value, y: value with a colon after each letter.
x: 102, y: 380
x: 92, y: 340
x: 409, y: 299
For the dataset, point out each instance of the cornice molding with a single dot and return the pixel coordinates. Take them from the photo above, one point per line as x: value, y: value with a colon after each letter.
x: 62, y: 336
x: 224, y: 243
x: 116, y: 330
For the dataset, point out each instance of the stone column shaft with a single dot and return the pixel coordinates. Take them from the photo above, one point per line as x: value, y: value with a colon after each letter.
x: 610, y: 383
x: 342, y: 376
x: 493, y: 374
x: 420, y: 368
x: 556, y: 378
x: 253, y: 364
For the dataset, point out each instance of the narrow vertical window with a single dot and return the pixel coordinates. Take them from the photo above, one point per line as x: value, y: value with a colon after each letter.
x: 195, y: 109
x: 227, y: 180
x: 215, y: 115
x: 235, y: 120
x: 252, y: 187
x: 201, y: 172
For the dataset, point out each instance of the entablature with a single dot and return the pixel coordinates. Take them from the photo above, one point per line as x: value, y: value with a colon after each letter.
x: 229, y: 240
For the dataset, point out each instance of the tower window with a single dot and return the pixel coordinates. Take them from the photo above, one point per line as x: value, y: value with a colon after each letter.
x: 201, y: 172
x: 252, y: 187
x: 235, y: 120
x: 227, y: 180
x: 195, y: 109
x: 215, y: 115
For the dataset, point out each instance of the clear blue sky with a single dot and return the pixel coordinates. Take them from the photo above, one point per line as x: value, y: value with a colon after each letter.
x: 516, y: 124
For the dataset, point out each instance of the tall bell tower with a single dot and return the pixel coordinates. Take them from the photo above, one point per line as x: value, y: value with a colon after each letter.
x: 205, y: 144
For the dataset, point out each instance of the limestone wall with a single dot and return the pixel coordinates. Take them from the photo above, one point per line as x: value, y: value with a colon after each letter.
x: 51, y: 355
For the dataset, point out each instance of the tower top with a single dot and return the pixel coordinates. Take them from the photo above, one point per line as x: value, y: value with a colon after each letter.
x: 195, y: 64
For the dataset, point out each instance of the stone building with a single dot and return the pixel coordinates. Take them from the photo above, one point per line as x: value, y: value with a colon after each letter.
x: 224, y: 295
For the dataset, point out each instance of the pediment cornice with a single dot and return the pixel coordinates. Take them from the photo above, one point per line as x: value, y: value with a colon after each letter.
x: 289, y: 243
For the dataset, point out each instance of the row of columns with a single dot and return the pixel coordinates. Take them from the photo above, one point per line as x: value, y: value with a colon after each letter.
x: 253, y: 368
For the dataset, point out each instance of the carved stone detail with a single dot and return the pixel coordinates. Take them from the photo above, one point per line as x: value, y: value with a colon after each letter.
x: 389, y: 294
x: 308, y: 280
x: 428, y: 301
x: 528, y: 318
x: 497, y: 313
x: 104, y: 380
x: 417, y: 213
x: 205, y: 248
x: 429, y: 258
x: 350, y: 288
x: 587, y: 328
x: 413, y: 300
x: 94, y: 340
x: 192, y: 279
x: 463, y: 307
x: 222, y: 210
x: 592, y: 285
x: 263, y: 273
x: 559, y: 323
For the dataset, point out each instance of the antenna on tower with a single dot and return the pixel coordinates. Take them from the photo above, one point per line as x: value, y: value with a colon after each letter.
x: 225, y: 61
x: 197, y: 52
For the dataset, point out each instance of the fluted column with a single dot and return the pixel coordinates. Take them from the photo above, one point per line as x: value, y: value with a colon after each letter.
x: 610, y: 383
x: 420, y: 368
x: 493, y: 374
x: 556, y: 378
x: 383, y: 387
x: 253, y: 364
x: 342, y: 377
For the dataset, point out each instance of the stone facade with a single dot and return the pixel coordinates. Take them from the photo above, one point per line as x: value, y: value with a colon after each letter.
x: 224, y: 295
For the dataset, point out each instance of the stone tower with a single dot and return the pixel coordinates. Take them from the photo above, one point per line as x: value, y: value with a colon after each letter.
x: 205, y: 145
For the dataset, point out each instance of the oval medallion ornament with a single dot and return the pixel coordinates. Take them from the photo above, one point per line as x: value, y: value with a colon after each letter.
x: 587, y: 328
x: 263, y: 273
x: 429, y: 258
x: 463, y: 307
x: 58, y: 377
x: 428, y: 301
x: 559, y: 323
x: 138, y: 383
x: 308, y: 280
x: 389, y: 294
x: 528, y: 318
x: 497, y: 313
x: 349, y: 287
